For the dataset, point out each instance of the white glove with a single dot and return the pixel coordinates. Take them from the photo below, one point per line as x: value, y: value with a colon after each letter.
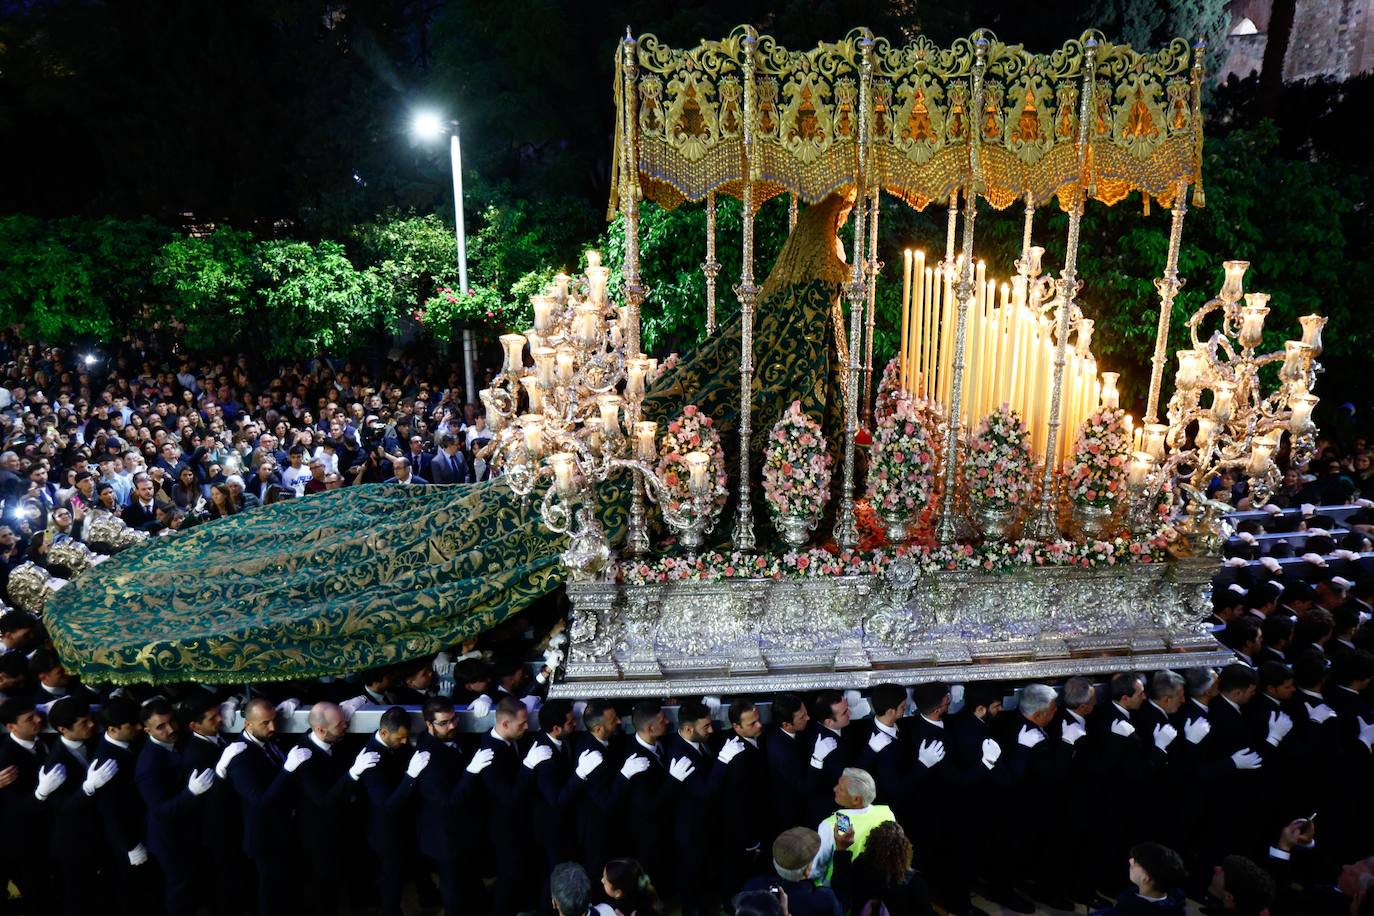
x: 480, y: 760
x: 1196, y: 730
x: 537, y: 754
x: 98, y: 776
x: 859, y: 707
x: 365, y: 761
x: 531, y: 702
x: 288, y: 706
x: 200, y: 783
x: 295, y: 758
x: 228, y: 712
x: 879, y: 740
x: 1280, y: 724
x: 1071, y: 733
x: 349, y: 707
x: 992, y: 752
x: 49, y: 780
x: 732, y: 749
x: 1029, y: 737
x: 825, y: 746
x: 480, y: 706
x: 138, y: 855
x: 418, y: 761
x: 633, y: 766
x: 713, y: 704
x: 1123, y: 728
x: 227, y: 756
x: 1246, y: 759
x: 587, y: 762
x: 1164, y: 736
x: 930, y: 753
x: 1366, y: 734
x: 681, y: 768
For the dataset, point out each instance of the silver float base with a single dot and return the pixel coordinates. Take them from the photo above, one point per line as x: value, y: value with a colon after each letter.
x: 753, y: 635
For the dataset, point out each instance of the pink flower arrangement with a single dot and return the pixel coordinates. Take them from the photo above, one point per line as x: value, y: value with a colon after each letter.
x: 903, y: 463
x: 1095, y: 473
x: 997, y: 467
x: 796, y: 465
x: 885, y: 401
x: 691, y: 431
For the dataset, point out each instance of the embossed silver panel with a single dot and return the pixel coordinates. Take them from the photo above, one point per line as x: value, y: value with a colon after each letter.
x: 742, y: 635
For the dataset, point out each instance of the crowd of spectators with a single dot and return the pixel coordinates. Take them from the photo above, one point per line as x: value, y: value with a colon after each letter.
x: 166, y: 441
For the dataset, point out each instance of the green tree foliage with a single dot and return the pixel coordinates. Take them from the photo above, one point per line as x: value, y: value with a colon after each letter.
x: 313, y: 299
x: 209, y: 284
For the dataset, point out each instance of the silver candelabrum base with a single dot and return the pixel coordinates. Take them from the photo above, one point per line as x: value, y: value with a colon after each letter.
x: 742, y: 635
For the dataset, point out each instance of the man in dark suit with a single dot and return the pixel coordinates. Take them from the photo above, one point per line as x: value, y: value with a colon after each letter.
x: 420, y: 459
x: 403, y: 473
x: 556, y: 787
x: 650, y: 793
x: 933, y: 780
x: 446, y: 787
x: 389, y: 787
x: 141, y: 513
x: 122, y: 816
x: 838, y: 744
x: 75, y: 844
x: 449, y: 465
x: 1349, y: 741
x: 887, y: 754
x: 743, y: 787
x: 598, y: 806
x: 1235, y: 764
x: 1031, y: 804
x: 327, y: 785
x: 506, y: 783
x: 220, y: 829
x: 695, y: 809
x: 24, y: 839
x: 1122, y: 751
x: 788, y: 750
x: 173, y: 805
x: 261, y: 777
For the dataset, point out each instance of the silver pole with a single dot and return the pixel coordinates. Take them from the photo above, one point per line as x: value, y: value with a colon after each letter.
x: 469, y: 342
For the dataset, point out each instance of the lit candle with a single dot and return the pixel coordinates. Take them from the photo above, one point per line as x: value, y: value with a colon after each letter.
x: 1231, y: 286
x: 535, y: 340
x: 593, y: 258
x: 560, y: 285
x: 1189, y: 369
x: 610, y: 414
x: 1111, y: 400
x: 514, y: 345
x: 1084, y: 340
x: 698, y: 464
x: 566, y: 357
x: 904, y: 364
x: 1154, y: 440
x: 1223, y: 402
x: 562, y: 464
x: 532, y: 426
x: 543, y: 313
x: 533, y: 393
x: 543, y: 365
x: 1301, y: 418
x: 1260, y: 452
x: 1141, y: 465
x: 636, y: 371
x: 645, y: 433
x: 1252, y: 319
x: 1294, y: 360
x: 1033, y: 256
x: 587, y: 325
x: 1206, y: 429
x: 596, y: 284
x: 1312, y: 332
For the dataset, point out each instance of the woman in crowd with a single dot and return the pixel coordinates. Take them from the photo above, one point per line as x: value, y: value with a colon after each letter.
x: 187, y: 491
x: 222, y: 502
x: 630, y: 891
x: 883, y: 873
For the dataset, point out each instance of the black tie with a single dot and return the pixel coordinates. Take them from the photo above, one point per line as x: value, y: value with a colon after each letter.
x: 273, y: 752
x: 658, y: 752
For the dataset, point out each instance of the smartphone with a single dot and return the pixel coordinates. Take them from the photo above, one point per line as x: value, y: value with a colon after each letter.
x: 843, y: 824
x: 775, y: 890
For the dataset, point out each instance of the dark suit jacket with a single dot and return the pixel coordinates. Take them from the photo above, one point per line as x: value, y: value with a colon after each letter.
x: 442, y: 469
x: 27, y: 840
x: 445, y: 787
x: 122, y: 813
x: 695, y: 802
x: 388, y: 790
x: 505, y: 784
x: 76, y: 822
x: 648, y: 798
x: 889, y: 767
x: 220, y: 823
x: 135, y: 516
x: 415, y: 479
x: 325, y: 791
x: 265, y: 791
x: 744, y: 784
x: 598, y: 804
x: 554, y: 801
x: 791, y: 778
x: 172, y: 809
x: 420, y: 464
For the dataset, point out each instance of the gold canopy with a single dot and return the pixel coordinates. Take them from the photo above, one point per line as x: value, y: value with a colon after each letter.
x: 688, y: 118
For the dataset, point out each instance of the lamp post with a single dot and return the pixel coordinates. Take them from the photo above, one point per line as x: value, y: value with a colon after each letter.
x: 429, y: 126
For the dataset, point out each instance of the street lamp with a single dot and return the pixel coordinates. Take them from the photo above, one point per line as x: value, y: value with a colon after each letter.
x: 428, y: 126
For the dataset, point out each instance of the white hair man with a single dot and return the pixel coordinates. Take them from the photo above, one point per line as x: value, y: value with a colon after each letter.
x: 854, y: 795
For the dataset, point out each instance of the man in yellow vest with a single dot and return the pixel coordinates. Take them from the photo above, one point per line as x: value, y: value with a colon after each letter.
x: 854, y: 794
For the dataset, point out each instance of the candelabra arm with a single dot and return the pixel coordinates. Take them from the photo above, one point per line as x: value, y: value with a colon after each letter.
x: 1168, y: 287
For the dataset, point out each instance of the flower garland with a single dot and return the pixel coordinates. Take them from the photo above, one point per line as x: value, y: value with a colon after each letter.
x: 1003, y: 556
x: 997, y: 468
x: 1095, y: 473
x: 692, y: 431
x: 796, y: 465
x: 903, y: 464
x: 885, y: 401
